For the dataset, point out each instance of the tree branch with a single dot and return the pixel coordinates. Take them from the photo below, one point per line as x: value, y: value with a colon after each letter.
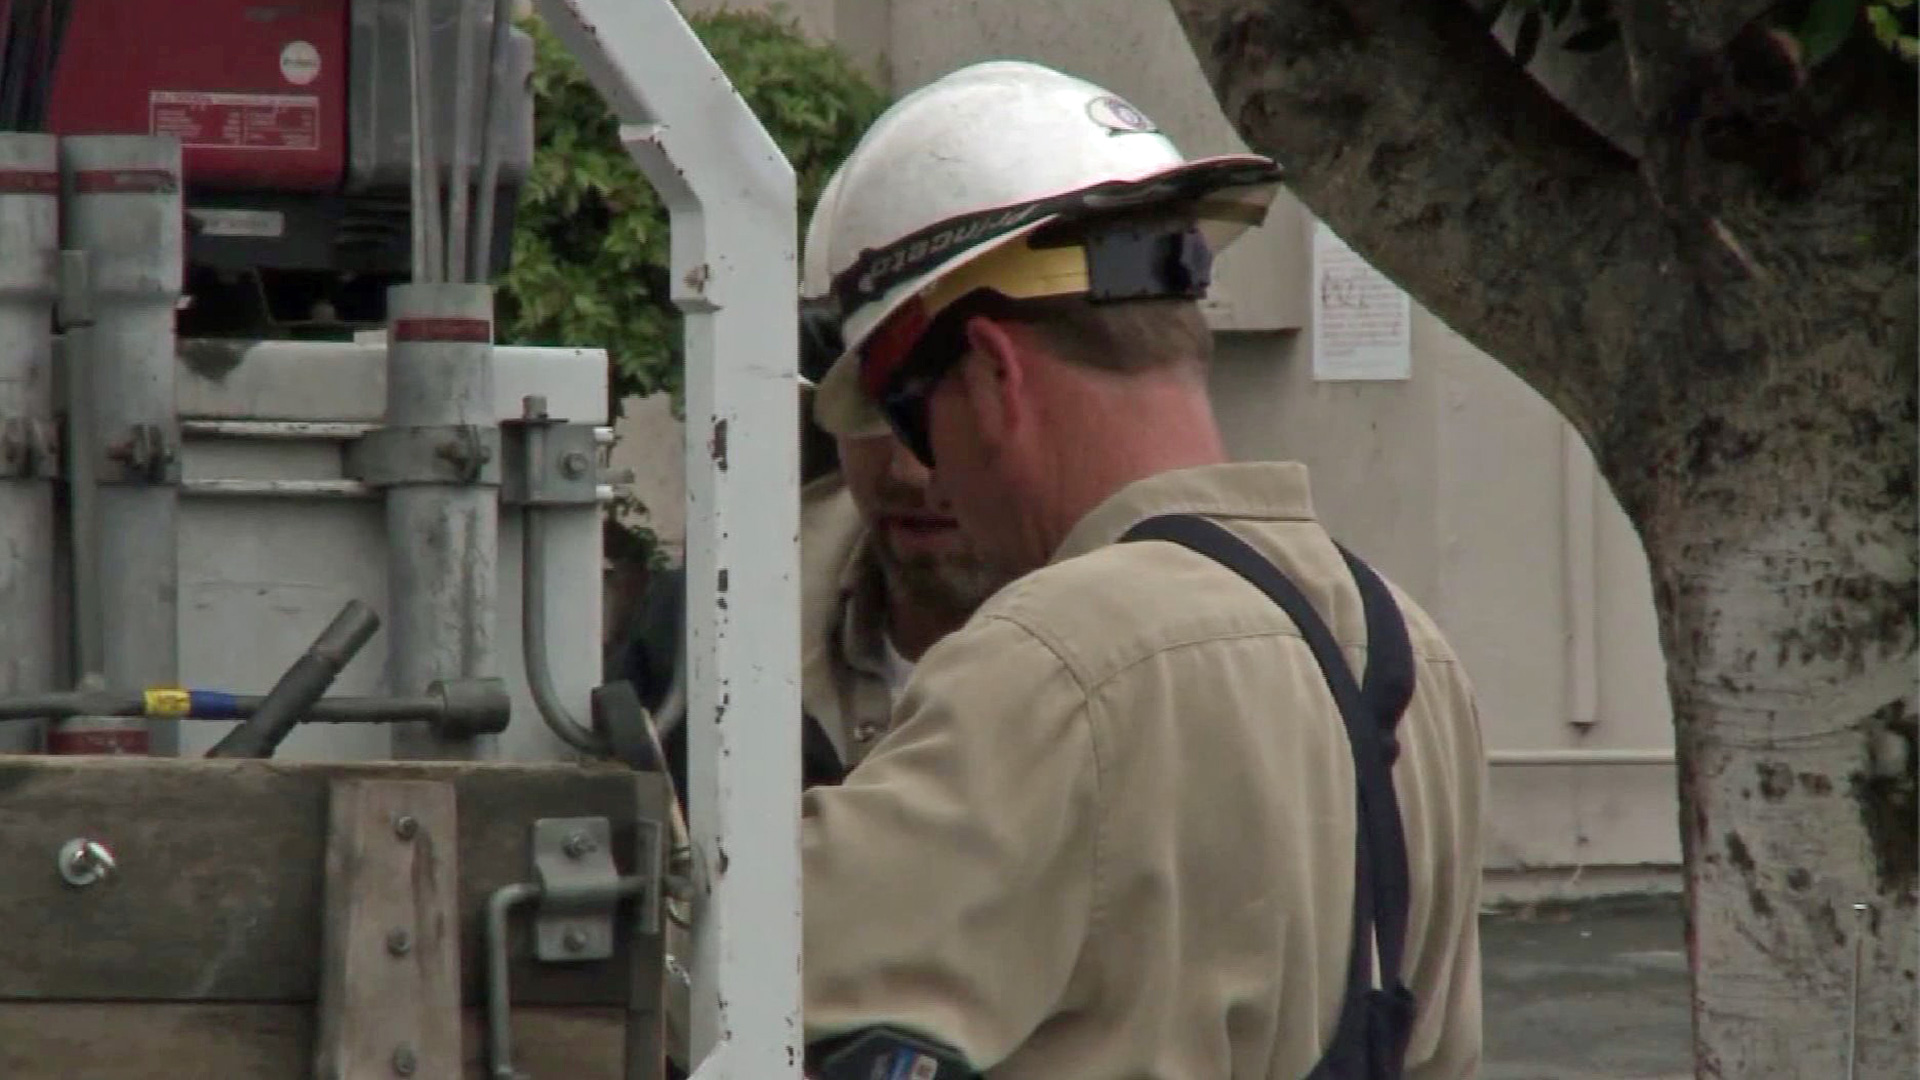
x: 1675, y: 44
x: 1414, y: 135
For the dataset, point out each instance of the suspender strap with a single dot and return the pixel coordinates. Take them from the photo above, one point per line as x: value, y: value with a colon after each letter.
x: 1371, y: 1036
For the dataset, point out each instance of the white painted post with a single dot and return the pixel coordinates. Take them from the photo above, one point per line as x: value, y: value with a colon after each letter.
x: 731, y: 198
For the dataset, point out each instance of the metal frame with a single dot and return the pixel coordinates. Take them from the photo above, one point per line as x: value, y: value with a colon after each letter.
x: 30, y: 235
x: 731, y: 198
x: 122, y: 211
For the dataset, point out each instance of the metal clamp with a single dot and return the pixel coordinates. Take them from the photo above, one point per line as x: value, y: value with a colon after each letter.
x: 145, y: 454
x: 449, y: 454
x: 550, y: 462
x: 29, y: 449
x: 579, y: 888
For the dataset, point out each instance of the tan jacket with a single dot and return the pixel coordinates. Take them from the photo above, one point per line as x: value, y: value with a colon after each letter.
x: 842, y: 673
x: 1111, y: 834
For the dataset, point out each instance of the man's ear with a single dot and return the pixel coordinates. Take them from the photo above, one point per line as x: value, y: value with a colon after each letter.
x: 996, y: 377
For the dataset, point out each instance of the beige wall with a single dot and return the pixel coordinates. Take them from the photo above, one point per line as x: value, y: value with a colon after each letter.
x: 1459, y: 481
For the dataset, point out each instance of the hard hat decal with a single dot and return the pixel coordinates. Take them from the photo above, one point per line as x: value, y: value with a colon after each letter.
x: 1117, y: 116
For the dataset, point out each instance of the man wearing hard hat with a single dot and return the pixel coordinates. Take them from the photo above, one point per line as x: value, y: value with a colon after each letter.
x: 1197, y: 795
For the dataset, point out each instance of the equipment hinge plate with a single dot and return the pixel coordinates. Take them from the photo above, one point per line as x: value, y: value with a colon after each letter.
x: 580, y: 889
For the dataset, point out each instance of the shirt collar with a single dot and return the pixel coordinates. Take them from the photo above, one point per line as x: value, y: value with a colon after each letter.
x: 1252, y: 490
x: 863, y: 621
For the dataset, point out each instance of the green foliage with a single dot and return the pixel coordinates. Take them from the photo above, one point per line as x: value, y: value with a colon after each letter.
x: 590, y: 247
x: 1893, y: 24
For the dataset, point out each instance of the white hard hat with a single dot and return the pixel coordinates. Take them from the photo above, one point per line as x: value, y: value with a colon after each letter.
x: 970, y: 164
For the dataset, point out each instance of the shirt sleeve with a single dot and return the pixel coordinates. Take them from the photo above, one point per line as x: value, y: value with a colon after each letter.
x: 949, y: 881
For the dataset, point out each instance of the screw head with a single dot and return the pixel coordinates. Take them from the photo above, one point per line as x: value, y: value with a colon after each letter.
x: 574, y: 940
x: 399, y: 942
x: 574, y: 465
x: 405, y: 827
x: 83, y: 862
x: 579, y: 846
x: 404, y: 1061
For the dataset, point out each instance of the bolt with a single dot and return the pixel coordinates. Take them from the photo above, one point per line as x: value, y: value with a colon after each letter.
x: 399, y: 942
x: 404, y: 1063
x: 405, y: 827
x: 574, y: 465
x: 579, y: 846
x: 84, y: 862
x: 575, y: 940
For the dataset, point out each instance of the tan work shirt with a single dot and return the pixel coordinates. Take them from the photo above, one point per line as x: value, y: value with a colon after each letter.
x: 844, y: 676
x: 1111, y: 834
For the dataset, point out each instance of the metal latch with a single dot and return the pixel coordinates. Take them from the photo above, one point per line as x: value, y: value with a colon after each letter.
x: 579, y: 888
x: 576, y: 893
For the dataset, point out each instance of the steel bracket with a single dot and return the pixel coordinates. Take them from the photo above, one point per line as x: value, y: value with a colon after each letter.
x: 464, y: 454
x: 29, y: 449
x: 550, y: 463
x: 581, y: 888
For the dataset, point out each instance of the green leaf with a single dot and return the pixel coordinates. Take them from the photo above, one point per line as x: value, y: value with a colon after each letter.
x: 1827, y: 25
x: 1886, y: 26
x: 1491, y: 14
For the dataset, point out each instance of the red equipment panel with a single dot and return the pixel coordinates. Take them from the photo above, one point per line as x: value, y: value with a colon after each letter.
x: 255, y: 89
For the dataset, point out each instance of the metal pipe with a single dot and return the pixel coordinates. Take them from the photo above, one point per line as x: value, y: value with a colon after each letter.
x: 302, y: 430
x: 533, y: 602
x: 490, y: 121
x: 442, y: 536
x: 1579, y: 568
x: 458, y: 193
x: 124, y: 210
x: 427, y: 262
x: 499, y: 988
x: 29, y: 281
x: 1853, y: 1001
x: 499, y: 985
x: 83, y: 512
x: 249, y: 488
x: 214, y: 705
x: 1579, y: 757
x: 303, y: 684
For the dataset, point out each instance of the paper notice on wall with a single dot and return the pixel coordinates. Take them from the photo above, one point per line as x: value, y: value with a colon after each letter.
x: 1362, y: 322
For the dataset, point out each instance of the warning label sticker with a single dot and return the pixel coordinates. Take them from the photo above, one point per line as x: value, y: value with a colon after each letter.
x: 238, y: 121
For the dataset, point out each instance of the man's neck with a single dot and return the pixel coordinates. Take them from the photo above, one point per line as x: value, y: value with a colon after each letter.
x: 1165, y: 427
x: 913, y: 625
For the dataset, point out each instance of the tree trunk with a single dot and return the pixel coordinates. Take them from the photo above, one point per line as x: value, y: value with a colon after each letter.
x: 1786, y: 605
x: 1729, y: 319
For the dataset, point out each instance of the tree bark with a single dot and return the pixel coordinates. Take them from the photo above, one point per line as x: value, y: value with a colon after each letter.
x: 1729, y: 320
